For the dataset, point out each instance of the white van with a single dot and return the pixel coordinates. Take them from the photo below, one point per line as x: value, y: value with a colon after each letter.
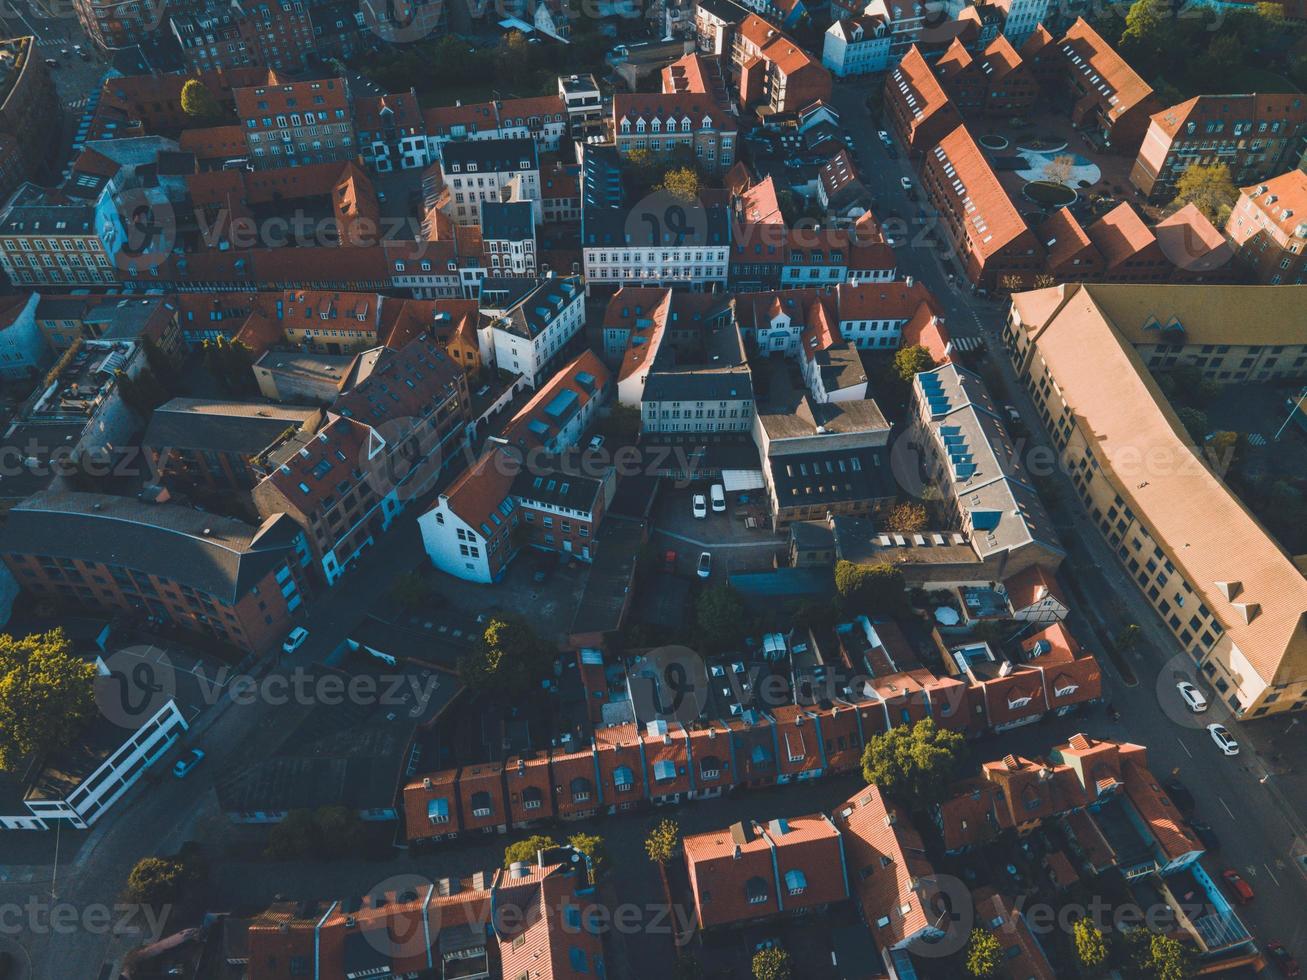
x: 718, y: 495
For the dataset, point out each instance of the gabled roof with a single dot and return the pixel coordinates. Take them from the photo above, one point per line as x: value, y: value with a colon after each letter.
x: 557, y: 402
x: 1283, y: 200
x: 1112, y: 81
x: 1120, y: 234
x: 991, y: 220
x: 1023, y: 957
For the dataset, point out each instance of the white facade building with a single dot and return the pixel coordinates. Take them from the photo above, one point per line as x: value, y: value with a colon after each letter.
x: 482, y: 170
x: 857, y: 46
x: 529, y: 322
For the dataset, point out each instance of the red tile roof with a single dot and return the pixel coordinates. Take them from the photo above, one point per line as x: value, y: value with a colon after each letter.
x: 538, y: 935
x: 1023, y: 958
x: 530, y: 789
x: 989, y: 217
x: 749, y: 871
x: 1288, y: 210
x: 1118, y: 88
x: 1121, y: 234
x: 518, y: 431
x: 1152, y: 804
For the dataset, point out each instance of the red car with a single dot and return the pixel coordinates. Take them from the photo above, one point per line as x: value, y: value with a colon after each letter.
x: 1241, y: 891
x: 1282, y: 958
x: 669, y: 562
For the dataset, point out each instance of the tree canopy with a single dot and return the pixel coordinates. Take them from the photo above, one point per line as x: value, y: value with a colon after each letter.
x: 1208, y: 187
x: 160, y: 881
x: 682, y: 183
x: 509, y: 658
x: 719, y: 616
x: 528, y: 849
x: 47, y: 695
x: 984, y: 953
x: 663, y: 842
x: 1091, y: 947
x: 198, y: 102
x: 875, y: 589
x: 772, y: 963
x: 913, y: 764
x: 912, y: 360
x: 907, y: 517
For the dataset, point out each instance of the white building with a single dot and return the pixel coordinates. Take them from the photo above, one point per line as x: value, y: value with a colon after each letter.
x: 528, y: 322
x: 1023, y: 16
x: 22, y: 346
x: 857, y: 46
x: 508, y: 238
x: 482, y: 170
x: 906, y: 18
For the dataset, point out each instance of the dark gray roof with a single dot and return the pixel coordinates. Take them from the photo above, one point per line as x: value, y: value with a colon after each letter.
x: 489, y: 156
x: 541, y: 306
x: 157, y: 539
x: 807, y: 479
x: 507, y: 221
x: 694, y: 385
x: 222, y: 426
x: 556, y: 488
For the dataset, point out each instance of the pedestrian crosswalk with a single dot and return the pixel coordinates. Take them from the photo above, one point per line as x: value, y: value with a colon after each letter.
x: 1256, y: 439
x: 78, y: 103
x: 965, y: 344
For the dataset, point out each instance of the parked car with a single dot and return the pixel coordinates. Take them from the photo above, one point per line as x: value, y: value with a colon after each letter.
x: 905, y: 183
x: 884, y: 137
x: 1180, y: 796
x: 718, y: 494
x: 1206, y: 834
x: 1223, y: 739
x: 1240, y: 890
x: 705, y: 564
x: 295, y: 640
x: 1282, y: 958
x: 186, y: 763
x: 52, y: 62
x: 1192, y: 697
x: 700, y: 506
x: 1013, y: 415
x: 596, y: 442
x: 669, y: 562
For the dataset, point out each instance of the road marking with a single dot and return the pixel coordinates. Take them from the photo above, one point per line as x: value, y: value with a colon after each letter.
x: 1186, y: 751
x: 1227, y: 808
x: 1272, y: 874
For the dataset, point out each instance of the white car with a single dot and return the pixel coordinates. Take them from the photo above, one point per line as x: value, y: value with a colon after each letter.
x: 1223, y: 739
x: 905, y: 183
x: 596, y: 442
x: 718, y: 495
x: 1192, y: 697
x: 705, y: 564
x: 296, y: 639
x: 700, y: 506
x: 883, y: 136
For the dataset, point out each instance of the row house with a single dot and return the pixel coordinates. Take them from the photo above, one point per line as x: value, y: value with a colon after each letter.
x: 483, y: 170
x: 906, y: 20
x: 436, y: 928
x: 528, y: 324
x: 775, y: 74
x: 175, y: 566
x: 224, y: 34
x: 1253, y: 136
x: 857, y: 45
x: 993, y: 83
x: 113, y: 24
x: 288, y: 125
x: 539, y: 922
x: 64, y: 243
x: 391, y: 132
x: 689, y: 120
x: 750, y: 872
x: 541, y: 119
x: 385, y: 443
x: 1268, y: 228
x: 1109, y: 98
x: 666, y: 763
x: 622, y: 244
x: 508, y: 238
x: 919, y: 111
x: 992, y: 243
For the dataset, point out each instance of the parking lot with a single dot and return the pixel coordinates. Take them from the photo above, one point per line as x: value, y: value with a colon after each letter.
x: 734, y: 546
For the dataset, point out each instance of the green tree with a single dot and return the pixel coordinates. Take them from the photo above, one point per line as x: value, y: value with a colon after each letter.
x: 143, y: 392
x: 198, y: 102
x: 984, y: 953
x: 1208, y: 187
x: 158, y: 881
x: 681, y: 182
x: 877, y: 589
x: 411, y: 591
x: 527, y: 850
x: 911, y: 361
x: 1169, y: 959
x: 47, y: 696
x: 593, y: 847
x: 1145, y: 36
x: 340, y: 831
x: 913, y: 764
x: 509, y: 658
x: 295, y: 836
x: 1194, y: 421
x: 1091, y: 947
x: 719, y: 617
x: 663, y: 842
x: 230, y: 362
x: 907, y: 517
x: 771, y: 964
